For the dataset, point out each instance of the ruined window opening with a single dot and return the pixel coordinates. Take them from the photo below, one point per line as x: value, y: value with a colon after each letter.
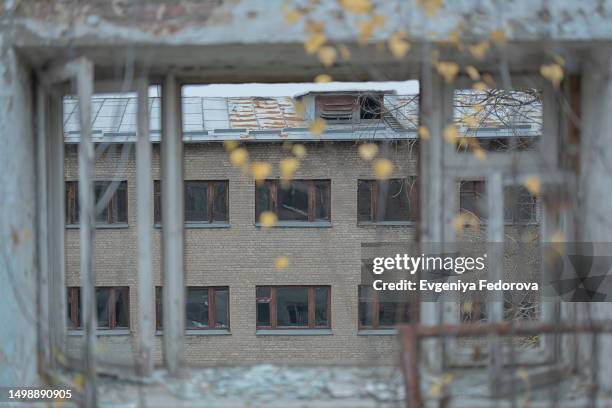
x: 393, y: 200
x: 112, y: 305
x: 205, y: 307
x: 382, y: 310
x: 205, y: 201
x: 294, y: 200
x: 114, y: 212
x: 293, y: 307
x: 371, y: 107
x: 520, y: 206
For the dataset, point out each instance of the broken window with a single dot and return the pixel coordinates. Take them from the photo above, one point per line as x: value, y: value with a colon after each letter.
x: 112, y: 307
x: 206, y: 308
x: 370, y: 107
x: 381, y: 309
x: 293, y: 307
x: 113, y: 212
x: 294, y: 200
x: 205, y: 201
x: 520, y: 206
x: 387, y: 201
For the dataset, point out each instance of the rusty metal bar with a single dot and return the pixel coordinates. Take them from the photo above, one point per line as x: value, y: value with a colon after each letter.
x: 410, y: 365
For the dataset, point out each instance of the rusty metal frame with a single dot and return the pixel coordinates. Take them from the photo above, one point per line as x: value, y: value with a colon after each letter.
x: 410, y: 336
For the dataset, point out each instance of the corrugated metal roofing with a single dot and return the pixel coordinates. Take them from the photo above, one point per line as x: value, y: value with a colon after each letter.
x: 268, y: 119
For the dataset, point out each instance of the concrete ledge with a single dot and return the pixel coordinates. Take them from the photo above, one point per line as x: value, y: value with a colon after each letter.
x: 100, y: 226
x: 377, y: 332
x: 294, y: 332
x: 101, y: 333
x: 196, y: 225
x: 386, y: 224
x: 299, y: 224
x: 202, y: 332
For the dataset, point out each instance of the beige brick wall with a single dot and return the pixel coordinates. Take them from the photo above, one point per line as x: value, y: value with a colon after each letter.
x: 243, y: 255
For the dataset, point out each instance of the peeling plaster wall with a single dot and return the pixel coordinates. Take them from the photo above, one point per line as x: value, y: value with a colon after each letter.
x: 18, y: 352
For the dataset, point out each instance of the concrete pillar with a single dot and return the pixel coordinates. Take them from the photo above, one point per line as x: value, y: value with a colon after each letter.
x: 595, y: 191
x: 18, y: 271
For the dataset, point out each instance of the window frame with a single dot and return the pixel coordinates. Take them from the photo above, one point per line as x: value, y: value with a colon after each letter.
x: 273, y: 194
x: 74, y: 304
x: 210, y: 199
x: 272, y: 301
x: 375, y: 309
x: 72, y: 203
x: 211, y: 308
x: 413, y: 203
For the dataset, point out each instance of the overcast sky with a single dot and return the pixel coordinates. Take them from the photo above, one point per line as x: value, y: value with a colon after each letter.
x: 292, y: 89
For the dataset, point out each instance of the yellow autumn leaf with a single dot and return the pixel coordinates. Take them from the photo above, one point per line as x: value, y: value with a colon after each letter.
x: 230, y: 145
x: 268, y: 219
x: 480, y: 86
x: 472, y: 72
x: 532, y: 184
x: 300, y: 108
x: 322, y: 78
x: 293, y: 16
x: 552, y: 72
x: 470, y: 121
x: 238, y: 157
x: 454, y: 38
x: 523, y: 375
x: 288, y: 167
x: 356, y: 6
x: 448, y: 70
x: 367, y: 151
x: 345, y: 53
x: 318, y: 127
x: 383, y: 168
x: 79, y: 381
x: 423, y: 133
x: 299, y: 151
x: 260, y: 170
x: 430, y: 7
x: 314, y: 42
x: 499, y: 37
x: 281, y: 262
x: 450, y: 134
x: 488, y: 79
x: 479, y: 50
x: 366, y: 29
x: 398, y: 45
x: 468, y: 307
x: 558, y: 236
x: 327, y: 55
x: 378, y: 21
x: 480, y: 154
x: 436, y: 389
x: 459, y: 222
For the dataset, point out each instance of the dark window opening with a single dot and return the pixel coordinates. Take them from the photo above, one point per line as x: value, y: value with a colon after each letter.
x: 205, y: 201
x: 380, y: 309
x: 112, y: 307
x: 370, y: 107
x: 205, y: 308
x: 115, y: 210
x: 520, y: 206
x: 387, y: 201
x: 291, y: 307
x: 294, y: 200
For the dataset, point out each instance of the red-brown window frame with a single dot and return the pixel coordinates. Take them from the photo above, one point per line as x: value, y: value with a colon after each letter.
x: 209, y: 201
x: 211, y: 307
x: 375, y: 309
x: 273, y: 197
x: 72, y: 199
x: 311, y: 307
x: 374, y: 190
x: 74, y: 294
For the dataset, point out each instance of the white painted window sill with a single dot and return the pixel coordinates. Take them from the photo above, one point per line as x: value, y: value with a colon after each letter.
x: 293, y: 332
x: 101, y: 333
x: 299, y: 224
x: 101, y: 226
x: 203, y: 332
x: 377, y: 332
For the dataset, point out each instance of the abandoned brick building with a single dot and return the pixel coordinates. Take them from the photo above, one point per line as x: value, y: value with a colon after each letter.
x: 242, y: 303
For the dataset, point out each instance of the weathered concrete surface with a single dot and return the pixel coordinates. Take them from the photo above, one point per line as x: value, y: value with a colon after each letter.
x: 242, y: 40
x: 18, y: 352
